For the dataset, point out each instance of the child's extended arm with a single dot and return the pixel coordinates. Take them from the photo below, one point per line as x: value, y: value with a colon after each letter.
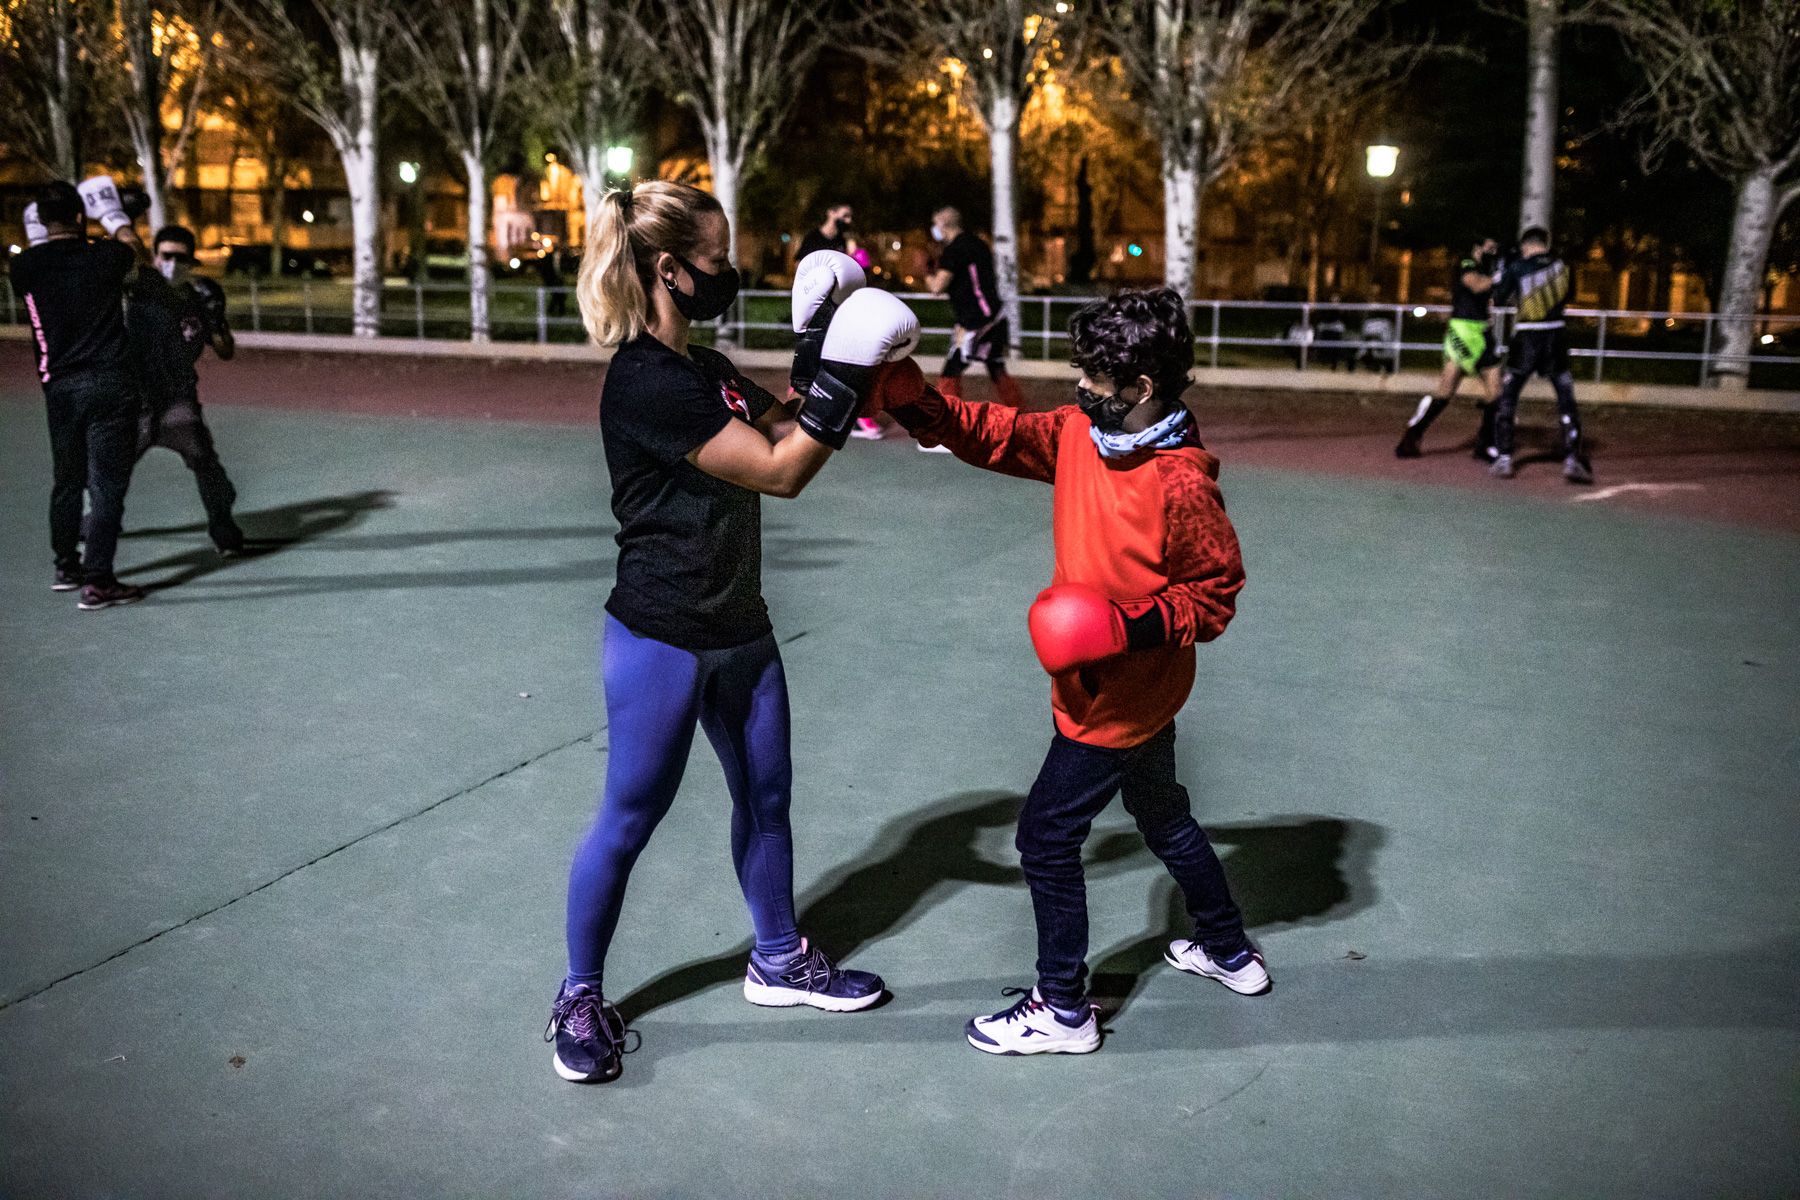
x: 992, y: 436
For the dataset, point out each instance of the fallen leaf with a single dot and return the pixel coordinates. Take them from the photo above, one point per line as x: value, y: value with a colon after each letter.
x: 237, y: 1060
x: 1355, y: 955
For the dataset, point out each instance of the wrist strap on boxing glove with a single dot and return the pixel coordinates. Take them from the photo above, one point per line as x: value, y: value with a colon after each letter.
x: 1148, y: 622
x: 832, y: 402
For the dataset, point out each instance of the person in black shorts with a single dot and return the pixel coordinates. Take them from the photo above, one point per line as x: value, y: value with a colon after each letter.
x: 1468, y: 350
x: 965, y: 270
x: 691, y: 447
x: 73, y: 291
x: 172, y: 316
x: 1539, y: 284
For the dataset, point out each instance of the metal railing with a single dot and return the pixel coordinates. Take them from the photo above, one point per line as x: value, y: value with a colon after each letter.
x: 1680, y: 348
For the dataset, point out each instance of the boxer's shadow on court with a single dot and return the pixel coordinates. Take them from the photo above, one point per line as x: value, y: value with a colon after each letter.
x: 1293, y: 870
x: 266, y: 531
x: 1289, y: 871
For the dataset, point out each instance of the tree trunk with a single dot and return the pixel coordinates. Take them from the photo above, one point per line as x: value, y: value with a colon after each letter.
x: 362, y: 173
x: 1181, y: 214
x: 1538, y: 188
x: 61, y: 101
x: 1315, y: 249
x: 590, y: 161
x: 1003, y: 141
x: 1752, y: 229
x: 478, y: 256
x: 725, y: 169
x: 276, y: 185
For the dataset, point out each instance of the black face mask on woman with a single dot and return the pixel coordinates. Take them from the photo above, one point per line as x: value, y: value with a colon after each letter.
x: 712, y: 295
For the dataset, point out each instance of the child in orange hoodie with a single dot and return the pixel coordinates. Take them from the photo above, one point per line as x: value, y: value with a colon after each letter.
x: 1147, y: 565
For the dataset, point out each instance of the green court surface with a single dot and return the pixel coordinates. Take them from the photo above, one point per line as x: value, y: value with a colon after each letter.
x: 1507, y: 788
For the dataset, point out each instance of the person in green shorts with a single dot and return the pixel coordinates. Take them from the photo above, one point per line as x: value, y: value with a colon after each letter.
x: 1468, y: 350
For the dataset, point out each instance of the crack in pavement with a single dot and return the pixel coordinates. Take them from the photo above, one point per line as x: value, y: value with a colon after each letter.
x: 314, y: 861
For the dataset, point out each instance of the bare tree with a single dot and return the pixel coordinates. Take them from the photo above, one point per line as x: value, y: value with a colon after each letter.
x: 1318, y: 144
x: 1007, y: 50
x: 590, y: 82
x: 272, y: 130
x: 326, y: 56
x: 737, y: 65
x: 463, y: 63
x: 44, y: 93
x: 1213, y: 78
x: 168, y: 55
x: 1537, y: 187
x: 1723, y: 82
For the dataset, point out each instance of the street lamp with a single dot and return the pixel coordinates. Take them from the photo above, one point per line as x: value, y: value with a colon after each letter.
x: 1379, y: 160
x: 409, y: 172
x: 618, y: 160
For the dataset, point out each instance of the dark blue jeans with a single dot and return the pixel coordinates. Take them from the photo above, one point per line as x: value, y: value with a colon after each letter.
x: 93, y: 444
x: 1076, y: 784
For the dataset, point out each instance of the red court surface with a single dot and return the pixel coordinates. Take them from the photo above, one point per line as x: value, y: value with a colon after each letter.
x: 1736, y: 468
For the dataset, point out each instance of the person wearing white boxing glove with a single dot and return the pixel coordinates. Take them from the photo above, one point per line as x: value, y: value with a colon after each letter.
x: 692, y: 446
x: 73, y: 291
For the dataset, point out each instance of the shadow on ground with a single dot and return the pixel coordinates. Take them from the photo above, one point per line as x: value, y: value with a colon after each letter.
x: 1282, y: 872
x: 266, y: 531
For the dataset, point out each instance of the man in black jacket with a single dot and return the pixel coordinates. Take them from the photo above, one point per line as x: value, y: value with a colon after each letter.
x: 1538, y: 282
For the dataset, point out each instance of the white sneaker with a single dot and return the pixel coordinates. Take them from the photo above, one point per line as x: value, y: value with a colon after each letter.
x: 937, y: 449
x: 867, y: 429
x: 1244, y: 973
x: 1033, y: 1027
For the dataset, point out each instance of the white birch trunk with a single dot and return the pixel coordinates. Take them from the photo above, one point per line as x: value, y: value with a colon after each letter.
x: 478, y: 256
x: 356, y: 147
x: 62, y: 139
x: 146, y: 143
x: 1181, y: 215
x: 1003, y: 142
x: 1752, y: 230
x: 1537, y: 193
x: 725, y: 170
x: 590, y: 161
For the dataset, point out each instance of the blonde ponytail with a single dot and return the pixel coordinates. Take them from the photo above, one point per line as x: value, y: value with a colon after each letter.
x: 625, y: 233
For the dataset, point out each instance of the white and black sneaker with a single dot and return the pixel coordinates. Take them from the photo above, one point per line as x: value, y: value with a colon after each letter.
x: 1033, y: 1027
x: 808, y: 977
x: 589, y: 1036
x: 1244, y: 972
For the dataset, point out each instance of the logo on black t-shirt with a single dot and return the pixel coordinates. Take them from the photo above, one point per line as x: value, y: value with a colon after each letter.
x: 734, y: 400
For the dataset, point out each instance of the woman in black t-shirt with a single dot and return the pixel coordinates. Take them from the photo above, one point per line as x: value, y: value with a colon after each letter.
x: 691, y: 449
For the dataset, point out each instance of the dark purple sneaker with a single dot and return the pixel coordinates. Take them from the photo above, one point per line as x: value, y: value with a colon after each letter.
x: 105, y: 593
x: 67, y: 581
x: 589, y: 1036
x: 808, y: 977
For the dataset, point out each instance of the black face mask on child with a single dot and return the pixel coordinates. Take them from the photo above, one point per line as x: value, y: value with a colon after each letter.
x: 713, y: 293
x: 1107, y: 413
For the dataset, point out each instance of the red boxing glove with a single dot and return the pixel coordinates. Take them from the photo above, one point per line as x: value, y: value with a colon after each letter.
x: 1074, y: 625
x: 901, y: 392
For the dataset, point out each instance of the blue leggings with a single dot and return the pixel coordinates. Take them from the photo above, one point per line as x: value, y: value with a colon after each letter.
x: 655, y: 693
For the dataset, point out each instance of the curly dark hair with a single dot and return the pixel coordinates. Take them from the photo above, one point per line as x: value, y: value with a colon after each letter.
x: 1141, y: 332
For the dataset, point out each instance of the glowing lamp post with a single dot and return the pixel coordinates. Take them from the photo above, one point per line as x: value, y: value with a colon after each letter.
x: 618, y: 160
x: 1380, y: 160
